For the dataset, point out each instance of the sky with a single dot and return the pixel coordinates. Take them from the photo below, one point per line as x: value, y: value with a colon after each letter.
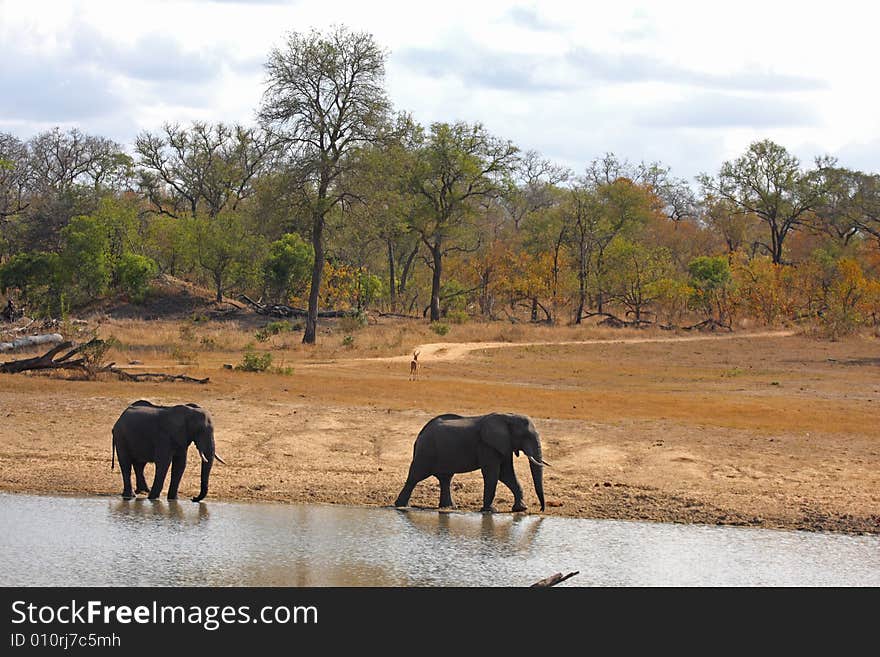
x: 689, y: 84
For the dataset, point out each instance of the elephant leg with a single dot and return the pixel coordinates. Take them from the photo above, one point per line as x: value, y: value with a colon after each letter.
x: 140, y: 481
x: 159, y: 478
x: 414, y: 477
x: 446, y: 491
x: 490, y: 472
x: 125, y: 469
x: 508, y: 478
x: 178, y: 465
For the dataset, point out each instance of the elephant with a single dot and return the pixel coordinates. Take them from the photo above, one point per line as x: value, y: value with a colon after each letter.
x: 147, y: 433
x: 451, y: 443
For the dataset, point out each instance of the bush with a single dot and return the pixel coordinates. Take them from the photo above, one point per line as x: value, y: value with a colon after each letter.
x: 272, y: 328
x: 133, y: 274
x: 440, y: 328
x: 85, y: 258
x: 352, y: 323
x: 348, y: 341
x: 457, y: 316
x: 252, y: 361
x: 288, y: 267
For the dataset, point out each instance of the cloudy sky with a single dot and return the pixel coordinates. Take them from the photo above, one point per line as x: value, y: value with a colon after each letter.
x: 686, y: 83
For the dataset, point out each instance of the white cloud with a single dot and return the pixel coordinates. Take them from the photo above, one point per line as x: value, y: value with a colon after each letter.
x: 684, y: 82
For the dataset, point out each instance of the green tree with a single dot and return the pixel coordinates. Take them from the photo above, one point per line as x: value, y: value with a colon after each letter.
x: 167, y: 243
x: 35, y: 275
x: 324, y: 97
x: 636, y: 275
x: 287, y: 267
x: 710, y: 280
x: 226, y: 248
x: 767, y: 182
x: 85, y: 258
x: 457, y: 166
x: 133, y: 274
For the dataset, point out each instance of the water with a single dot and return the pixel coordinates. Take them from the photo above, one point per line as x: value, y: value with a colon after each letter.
x: 65, y: 541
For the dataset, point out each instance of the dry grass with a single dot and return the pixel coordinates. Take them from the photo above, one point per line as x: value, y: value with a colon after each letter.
x: 774, y: 431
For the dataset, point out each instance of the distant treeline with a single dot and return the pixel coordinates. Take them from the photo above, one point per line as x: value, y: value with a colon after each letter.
x: 334, y: 200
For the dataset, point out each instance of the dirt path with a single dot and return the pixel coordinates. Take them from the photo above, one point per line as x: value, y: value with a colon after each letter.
x: 448, y: 351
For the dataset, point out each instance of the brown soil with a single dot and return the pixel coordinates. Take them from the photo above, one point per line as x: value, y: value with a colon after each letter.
x: 764, y: 430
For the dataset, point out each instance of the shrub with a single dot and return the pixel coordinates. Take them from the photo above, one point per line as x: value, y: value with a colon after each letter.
x: 348, y: 341
x: 352, y: 323
x: 134, y: 273
x: 252, y: 361
x: 439, y: 328
x: 457, y: 316
x: 85, y: 257
x: 187, y: 334
x: 288, y: 267
x: 272, y: 328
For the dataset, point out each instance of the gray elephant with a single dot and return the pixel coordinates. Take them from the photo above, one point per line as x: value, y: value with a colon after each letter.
x: 451, y: 443
x: 147, y: 433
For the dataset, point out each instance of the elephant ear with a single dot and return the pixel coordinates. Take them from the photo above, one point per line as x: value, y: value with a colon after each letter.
x: 174, y: 424
x: 495, y: 432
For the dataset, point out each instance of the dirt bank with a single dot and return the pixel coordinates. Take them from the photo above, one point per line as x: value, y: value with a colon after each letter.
x: 766, y: 430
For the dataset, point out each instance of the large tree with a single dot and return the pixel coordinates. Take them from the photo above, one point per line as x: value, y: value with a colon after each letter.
x: 324, y: 97
x: 768, y: 182
x: 457, y: 166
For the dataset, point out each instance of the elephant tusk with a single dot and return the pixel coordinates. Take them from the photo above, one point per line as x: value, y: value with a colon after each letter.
x: 217, y: 456
x: 535, y: 461
x: 202, y: 456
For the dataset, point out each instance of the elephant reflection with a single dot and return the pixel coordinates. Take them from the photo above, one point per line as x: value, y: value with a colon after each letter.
x: 172, y: 509
x: 515, y: 532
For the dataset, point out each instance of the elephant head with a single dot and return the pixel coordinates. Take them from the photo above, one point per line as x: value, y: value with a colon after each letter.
x: 200, y: 431
x: 512, y: 434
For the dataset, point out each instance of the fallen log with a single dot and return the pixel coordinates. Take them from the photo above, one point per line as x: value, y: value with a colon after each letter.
x: 153, y: 376
x: 280, y: 310
x: 553, y: 580
x: 86, y: 363
x: 31, y: 341
x: 47, y: 361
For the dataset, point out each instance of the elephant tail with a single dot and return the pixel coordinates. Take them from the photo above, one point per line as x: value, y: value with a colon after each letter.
x: 113, y: 452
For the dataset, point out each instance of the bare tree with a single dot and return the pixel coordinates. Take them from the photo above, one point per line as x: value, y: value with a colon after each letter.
x: 13, y: 175
x: 324, y: 96
x: 203, y: 168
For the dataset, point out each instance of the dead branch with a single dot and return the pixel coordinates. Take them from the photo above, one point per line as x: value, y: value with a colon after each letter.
x: 280, y: 310
x: 708, y: 325
x: 553, y: 580
x: 153, y: 376
x: 67, y: 362
x: 46, y: 361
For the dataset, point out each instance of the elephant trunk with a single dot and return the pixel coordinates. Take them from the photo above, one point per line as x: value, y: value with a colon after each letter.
x: 535, y: 465
x: 206, y: 451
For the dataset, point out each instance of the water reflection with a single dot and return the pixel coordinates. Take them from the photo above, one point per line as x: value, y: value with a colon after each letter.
x: 142, y: 508
x: 503, y: 532
x: 178, y: 543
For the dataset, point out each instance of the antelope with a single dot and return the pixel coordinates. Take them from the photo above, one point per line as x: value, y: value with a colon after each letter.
x: 414, y: 366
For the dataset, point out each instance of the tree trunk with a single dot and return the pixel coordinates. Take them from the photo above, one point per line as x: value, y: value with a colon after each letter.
x: 582, y: 282
x: 534, y: 316
x: 407, y: 269
x: 437, y: 256
x: 392, y: 282
x: 311, y: 330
